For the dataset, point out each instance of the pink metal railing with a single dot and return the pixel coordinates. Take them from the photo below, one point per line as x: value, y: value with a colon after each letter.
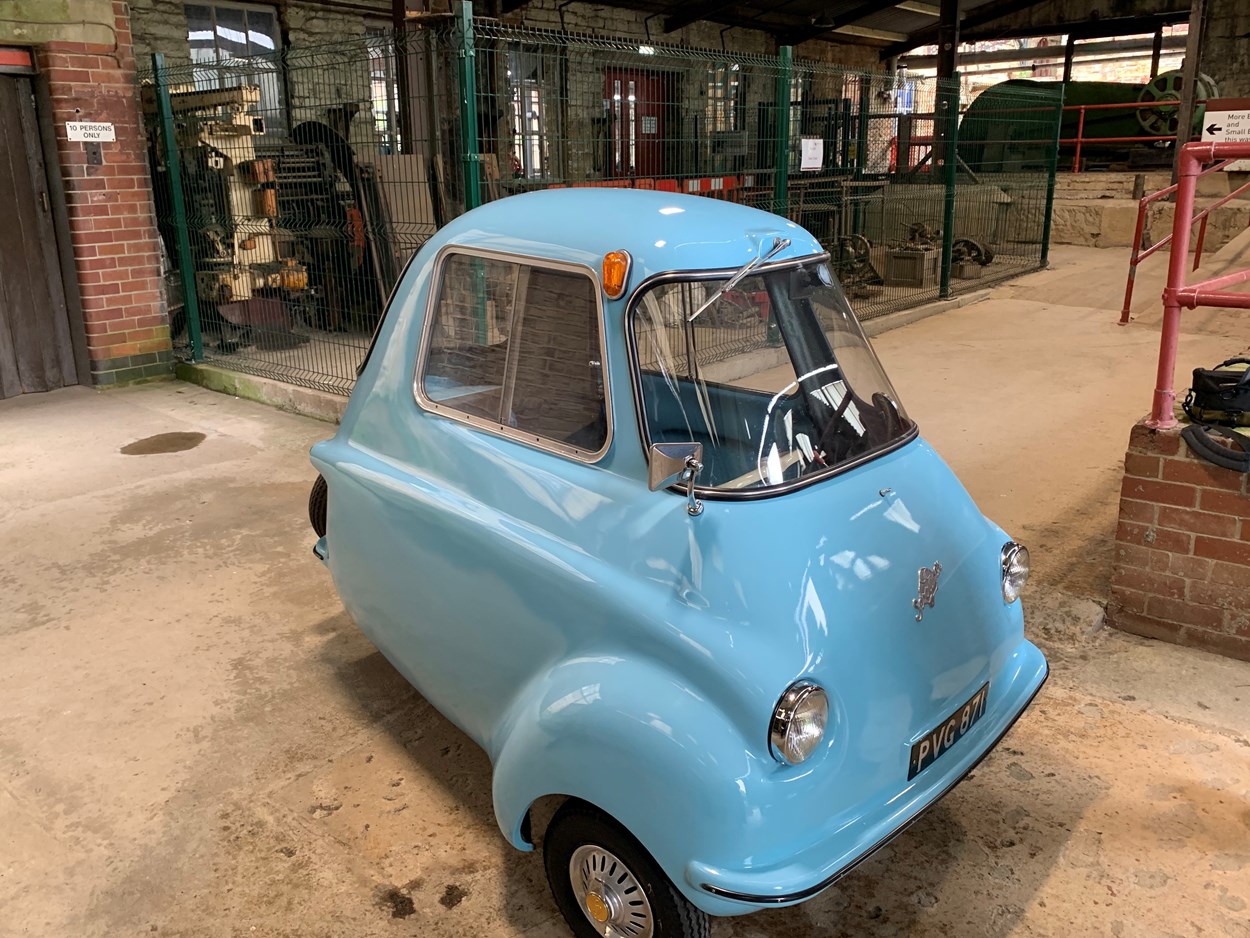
x: 1177, y: 293
x: 1140, y: 253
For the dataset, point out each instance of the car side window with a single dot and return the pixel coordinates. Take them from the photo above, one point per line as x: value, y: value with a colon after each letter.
x: 518, y: 345
x: 468, y: 348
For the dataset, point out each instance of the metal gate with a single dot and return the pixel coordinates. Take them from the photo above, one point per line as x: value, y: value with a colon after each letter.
x: 36, y: 351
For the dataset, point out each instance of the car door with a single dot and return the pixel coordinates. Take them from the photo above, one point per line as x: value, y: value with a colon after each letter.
x: 467, y: 554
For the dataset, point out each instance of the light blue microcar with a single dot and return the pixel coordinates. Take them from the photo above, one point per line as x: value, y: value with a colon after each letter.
x: 625, y: 493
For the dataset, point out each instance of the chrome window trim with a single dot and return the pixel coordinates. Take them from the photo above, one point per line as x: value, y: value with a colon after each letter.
x: 635, y: 379
x: 493, y: 426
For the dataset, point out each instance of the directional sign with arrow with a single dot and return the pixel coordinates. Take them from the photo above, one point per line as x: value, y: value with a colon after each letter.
x: 1228, y: 119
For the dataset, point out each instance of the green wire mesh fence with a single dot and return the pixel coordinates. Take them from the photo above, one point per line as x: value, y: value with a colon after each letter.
x: 303, y: 181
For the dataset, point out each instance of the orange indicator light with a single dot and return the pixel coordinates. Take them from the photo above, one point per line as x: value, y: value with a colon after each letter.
x: 615, y: 273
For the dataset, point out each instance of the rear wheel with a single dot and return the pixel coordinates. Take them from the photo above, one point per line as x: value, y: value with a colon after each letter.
x: 317, y: 500
x: 607, y: 885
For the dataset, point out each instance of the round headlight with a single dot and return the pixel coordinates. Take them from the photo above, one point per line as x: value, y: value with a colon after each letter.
x: 798, y: 723
x: 1015, y: 559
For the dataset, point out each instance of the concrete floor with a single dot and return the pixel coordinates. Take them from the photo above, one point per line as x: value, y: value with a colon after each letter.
x: 196, y: 741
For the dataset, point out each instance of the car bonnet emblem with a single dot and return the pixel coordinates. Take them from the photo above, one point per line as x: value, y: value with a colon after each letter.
x: 926, y: 592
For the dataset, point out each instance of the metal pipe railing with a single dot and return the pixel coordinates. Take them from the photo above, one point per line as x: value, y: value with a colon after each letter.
x: 1140, y: 253
x: 1178, y: 294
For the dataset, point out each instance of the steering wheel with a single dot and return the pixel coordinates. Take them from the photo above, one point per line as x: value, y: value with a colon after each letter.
x: 837, y: 428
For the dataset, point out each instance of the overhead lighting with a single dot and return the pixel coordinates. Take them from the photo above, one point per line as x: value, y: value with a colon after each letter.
x: 646, y: 50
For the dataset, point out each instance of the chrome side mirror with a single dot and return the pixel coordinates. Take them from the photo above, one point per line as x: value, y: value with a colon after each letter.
x: 677, y: 463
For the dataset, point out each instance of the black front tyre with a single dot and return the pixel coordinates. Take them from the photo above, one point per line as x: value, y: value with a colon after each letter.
x: 317, y: 500
x: 607, y: 885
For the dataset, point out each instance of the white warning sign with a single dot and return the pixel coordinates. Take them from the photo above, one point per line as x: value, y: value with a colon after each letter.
x: 90, y: 132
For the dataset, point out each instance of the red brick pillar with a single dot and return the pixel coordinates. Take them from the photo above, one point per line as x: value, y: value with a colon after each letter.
x: 1182, y: 553
x: 111, y: 220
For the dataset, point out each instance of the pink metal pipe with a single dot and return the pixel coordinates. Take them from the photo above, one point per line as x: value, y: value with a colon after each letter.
x: 1193, y: 297
x: 1140, y: 255
x: 1206, y: 212
x: 1162, y: 414
x: 1215, y: 283
x: 1192, y: 157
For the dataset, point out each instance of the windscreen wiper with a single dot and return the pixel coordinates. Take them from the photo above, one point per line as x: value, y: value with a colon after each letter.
x: 779, y: 245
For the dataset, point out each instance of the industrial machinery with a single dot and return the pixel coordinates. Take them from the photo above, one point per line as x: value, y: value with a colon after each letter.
x: 856, y: 272
x: 996, y: 133
x: 245, y: 268
x: 281, y: 231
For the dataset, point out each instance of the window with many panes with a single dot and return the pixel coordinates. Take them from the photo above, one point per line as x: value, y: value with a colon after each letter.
x: 532, y: 84
x: 517, y: 347
x: 383, y: 86
x: 236, y: 44
x: 724, y: 89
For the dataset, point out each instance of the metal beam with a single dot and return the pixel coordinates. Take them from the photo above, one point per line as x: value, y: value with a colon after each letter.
x: 978, y: 17
x: 694, y: 12
x: 1189, y: 82
x: 948, y: 39
x: 847, y: 17
x: 1090, y: 29
x: 865, y: 32
x: 1025, y: 57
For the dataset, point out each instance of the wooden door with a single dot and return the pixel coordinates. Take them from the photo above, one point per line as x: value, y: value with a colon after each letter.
x: 637, y: 102
x: 36, y: 352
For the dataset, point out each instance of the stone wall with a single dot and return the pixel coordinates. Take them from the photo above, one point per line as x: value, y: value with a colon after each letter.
x: 1182, y: 555
x: 31, y: 22
x: 1226, y: 48
x: 161, y: 25
x: 631, y: 24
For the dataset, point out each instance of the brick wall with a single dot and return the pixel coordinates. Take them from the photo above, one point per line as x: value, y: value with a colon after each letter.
x: 1182, y: 556
x: 110, y: 205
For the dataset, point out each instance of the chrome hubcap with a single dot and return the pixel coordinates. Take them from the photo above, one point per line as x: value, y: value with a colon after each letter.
x: 610, y: 896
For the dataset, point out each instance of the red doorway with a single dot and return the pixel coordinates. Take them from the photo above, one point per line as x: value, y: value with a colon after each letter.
x: 637, y: 103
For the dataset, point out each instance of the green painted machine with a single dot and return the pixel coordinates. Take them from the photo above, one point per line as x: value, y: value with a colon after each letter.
x: 996, y: 133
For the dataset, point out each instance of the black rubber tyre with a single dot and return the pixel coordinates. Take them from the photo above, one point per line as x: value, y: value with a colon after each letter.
x: 577, y: 825
x: 317, y: 499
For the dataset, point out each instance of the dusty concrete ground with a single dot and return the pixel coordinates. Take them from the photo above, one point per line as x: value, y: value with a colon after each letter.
x: 196, y: 741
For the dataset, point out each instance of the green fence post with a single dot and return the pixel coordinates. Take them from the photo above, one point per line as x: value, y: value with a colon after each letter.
x: 861, y: 136
x: 950, y: 156
x: 469, y: 155
x: 781, y: 147
x: 1050, y: 181
x: 173, y: 166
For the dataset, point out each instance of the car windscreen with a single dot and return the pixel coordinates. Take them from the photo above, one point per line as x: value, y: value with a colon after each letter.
x: 775, y: 378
